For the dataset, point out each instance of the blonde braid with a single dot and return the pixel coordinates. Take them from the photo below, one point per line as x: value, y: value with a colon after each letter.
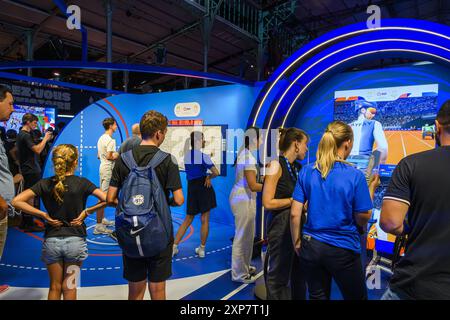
x: 64, y: 159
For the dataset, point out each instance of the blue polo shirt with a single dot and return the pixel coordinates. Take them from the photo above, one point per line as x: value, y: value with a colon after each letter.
x: 196, y: 164
x: 332, y: 203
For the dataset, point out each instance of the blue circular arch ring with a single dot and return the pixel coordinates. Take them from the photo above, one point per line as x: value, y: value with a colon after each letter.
x: 339, y: 49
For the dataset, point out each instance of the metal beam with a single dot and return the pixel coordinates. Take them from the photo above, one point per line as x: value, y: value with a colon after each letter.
x: 20, y: 77
x: 197, y: 4
x: 88, y: 27
x: 123, y: 67
x: 108, y: 13
x: 167, y: 38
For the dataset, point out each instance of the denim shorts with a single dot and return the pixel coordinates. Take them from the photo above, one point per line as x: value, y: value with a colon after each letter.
x: 65, y: 249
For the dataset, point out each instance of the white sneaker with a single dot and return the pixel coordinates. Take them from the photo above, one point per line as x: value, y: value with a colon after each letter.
x: 102, y: 229
x: 174, y: 250
x: 252, y: 270
x: 200, y: 251
x: 248, y: 279
x: 107, y: 222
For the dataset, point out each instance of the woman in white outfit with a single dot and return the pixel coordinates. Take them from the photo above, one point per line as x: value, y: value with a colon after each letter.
x: 243, y: 206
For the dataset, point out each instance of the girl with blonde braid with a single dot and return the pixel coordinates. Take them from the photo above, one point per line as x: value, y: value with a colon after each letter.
x: 64, y: 196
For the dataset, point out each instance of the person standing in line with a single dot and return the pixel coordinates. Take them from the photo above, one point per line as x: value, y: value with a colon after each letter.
x: 6, y: 179
x: 132, y: 141
x: 29, y: 153
x: 107, y: 154
x: 281, y: 265
x: 201, y: 195
x: 339, y: 203
x: 243, y: 205
x: 64, y: 196
x: 418, y: 192
x: 153, y: 271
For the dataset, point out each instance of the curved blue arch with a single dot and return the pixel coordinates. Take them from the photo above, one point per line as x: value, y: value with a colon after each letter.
x: 341, y: 48
x: 123, y: 67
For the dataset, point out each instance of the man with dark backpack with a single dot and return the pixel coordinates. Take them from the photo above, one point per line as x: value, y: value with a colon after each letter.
x: 142, y: 182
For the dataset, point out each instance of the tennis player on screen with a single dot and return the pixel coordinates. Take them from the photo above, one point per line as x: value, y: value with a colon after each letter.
x: 367, y: 131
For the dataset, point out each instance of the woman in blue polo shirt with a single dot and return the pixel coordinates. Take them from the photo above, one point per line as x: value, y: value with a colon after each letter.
x: 339, y: 205
x: 201, y: 196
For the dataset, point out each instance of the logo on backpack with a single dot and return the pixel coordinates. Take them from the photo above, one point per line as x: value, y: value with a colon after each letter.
x: 138, y: 200
x: 143, y: 218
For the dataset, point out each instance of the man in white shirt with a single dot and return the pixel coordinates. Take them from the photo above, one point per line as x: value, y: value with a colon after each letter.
x: 107, y: 154
x: 367, y: 131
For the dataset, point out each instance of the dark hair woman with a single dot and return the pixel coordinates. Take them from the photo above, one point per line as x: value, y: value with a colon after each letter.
x: 281, y: 264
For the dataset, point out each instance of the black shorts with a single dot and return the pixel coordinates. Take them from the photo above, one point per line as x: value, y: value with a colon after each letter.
x: 200, y: 199
x: 153, y: 269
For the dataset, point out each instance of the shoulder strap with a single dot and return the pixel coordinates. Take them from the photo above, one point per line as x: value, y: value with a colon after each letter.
x: 128, y: 159
x: 159, y: 157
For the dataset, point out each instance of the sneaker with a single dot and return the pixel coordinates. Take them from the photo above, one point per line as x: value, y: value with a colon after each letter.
x: 102, y: 229
x: 107, y: 222
x: 252, y: 270
x: 4, y: 288
x: 200, y: 251
x: 113, y: 235
x: 248, y: 279
x: 174, y: 250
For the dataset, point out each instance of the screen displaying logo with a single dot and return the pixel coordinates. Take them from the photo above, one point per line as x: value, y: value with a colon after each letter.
x: 187, y: 109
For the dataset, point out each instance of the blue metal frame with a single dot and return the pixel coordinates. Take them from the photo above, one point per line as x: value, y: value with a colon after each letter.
x: 44, y: 64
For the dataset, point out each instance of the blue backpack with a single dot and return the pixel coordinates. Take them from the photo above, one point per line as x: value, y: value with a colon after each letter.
x: 143, y: 218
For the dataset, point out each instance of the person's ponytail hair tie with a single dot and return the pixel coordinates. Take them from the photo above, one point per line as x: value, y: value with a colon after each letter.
x: 336, y: 133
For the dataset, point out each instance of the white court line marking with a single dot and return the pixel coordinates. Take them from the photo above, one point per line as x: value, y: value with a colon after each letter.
x: 425, y: 143
x: 403, y: 145
x: 237, y: 290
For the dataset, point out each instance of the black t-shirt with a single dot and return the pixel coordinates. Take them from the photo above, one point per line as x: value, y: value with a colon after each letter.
x: 13, y: 167
x: 167, y: 172
x: 28, y: 159
x: 74, y: 202
x: 423, y: 182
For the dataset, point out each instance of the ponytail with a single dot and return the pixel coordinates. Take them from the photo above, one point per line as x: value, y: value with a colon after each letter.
x: 335, y: 135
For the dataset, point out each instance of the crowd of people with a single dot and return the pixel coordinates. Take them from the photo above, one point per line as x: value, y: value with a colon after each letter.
x: 394, y: 115
x: 317, y: 212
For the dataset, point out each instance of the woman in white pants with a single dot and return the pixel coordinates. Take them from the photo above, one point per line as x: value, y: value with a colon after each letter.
x: 243, y: 206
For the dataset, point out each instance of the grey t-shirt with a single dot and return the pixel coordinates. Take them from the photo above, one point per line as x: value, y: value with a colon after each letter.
x: 6, y: 178
x: 129, y: 144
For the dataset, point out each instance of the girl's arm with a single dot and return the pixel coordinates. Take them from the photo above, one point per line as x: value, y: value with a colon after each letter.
x: 270, y: 186
x: 296, y: 215
x: 250, y: 176
x: 20, y: 202
x: 214, y: 173
x: 100, y: 195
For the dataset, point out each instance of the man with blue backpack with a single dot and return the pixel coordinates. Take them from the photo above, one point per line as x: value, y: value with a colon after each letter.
x: 144, y: 183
